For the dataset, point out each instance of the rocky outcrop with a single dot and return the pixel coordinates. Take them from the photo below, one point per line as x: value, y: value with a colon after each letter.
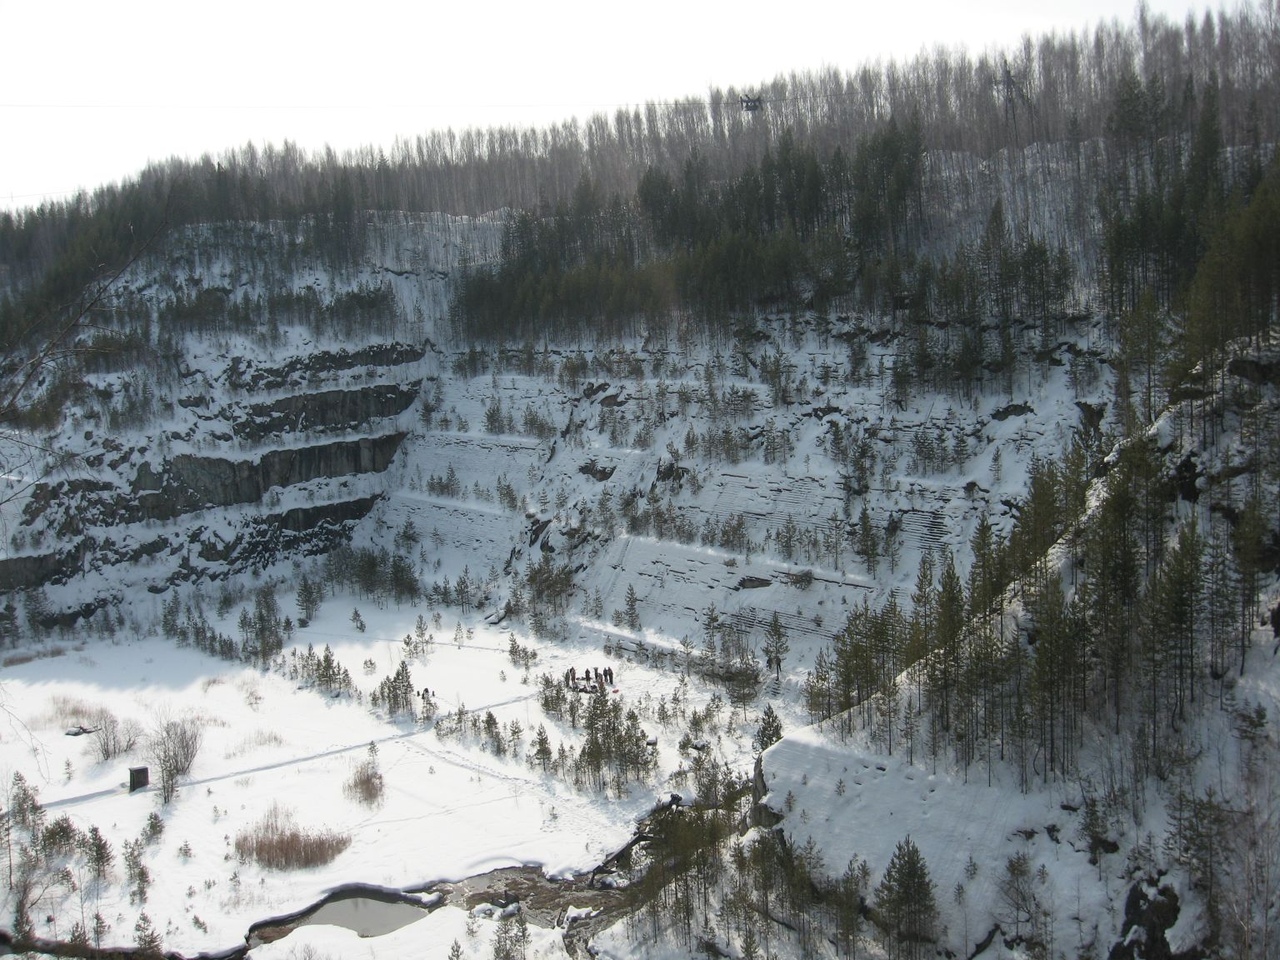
x: 1261, y: 371
x: 760, y: 813
x: 325, y: 411
x: 23, y: 572
x: 1149, y: 913
x: 192, y: 482
x: 301, y: 531
x: 186, y: 483
x: 245, y: 374
x: 196, y: 551
x: 166, y: 502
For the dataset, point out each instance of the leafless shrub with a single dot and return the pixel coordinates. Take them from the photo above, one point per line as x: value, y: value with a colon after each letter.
x: 172, y: 747
x: 277, y: 843
x: 112, y: 736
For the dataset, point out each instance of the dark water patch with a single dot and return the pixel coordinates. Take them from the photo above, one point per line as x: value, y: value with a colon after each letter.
x: 366, y: 910
x: 366, y: 916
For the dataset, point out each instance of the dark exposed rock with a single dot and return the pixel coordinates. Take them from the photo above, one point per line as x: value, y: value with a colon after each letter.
x: 1091, y: 415
x: 671, y: 472
x: 1012, y: 410
x: 327, y: 410
x: 1186, y: 477
x: 593, y: 470
x: 303, y: 530
x: 245, y: 375
x: 186, y: 483
x: 536, y: 530
x: 23, y: 572
x: 1148, y: 916
x: 196, y: 482
x: 259, y: 540
x: 1183, y: 392
x: 761, y: 814
x: 1258, y: 371
x: 986, y: 941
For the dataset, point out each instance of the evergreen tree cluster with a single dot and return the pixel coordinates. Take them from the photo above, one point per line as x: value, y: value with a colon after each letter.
x: 396, y: 694
x: 50, y: 858
x: 376, y: 573
x: 702, y: 887
x: 1136, y: 633
x: 319, y: 670
x: 613, y: 750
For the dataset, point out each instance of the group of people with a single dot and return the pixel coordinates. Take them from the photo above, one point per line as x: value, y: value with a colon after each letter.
x: 591, y: 679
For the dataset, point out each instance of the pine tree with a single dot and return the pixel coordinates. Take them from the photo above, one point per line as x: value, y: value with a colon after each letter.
x: 1055, y: 676
x: 776, y: 647
x: 100, y: 929
x: 97, y: 851
x: 632, y: 610
x: 146, y: 937
x: 1219, y: 612
x: 542, y: 747
x: 849, y: 895
x: 818, y: 689
x: 1111, y: 560
x: 1247, y: 545
x: 868, y: 542
x: 910, y: 729
x: 945, y: 661
x: 171, y: 619
x: 905, y: 900
x: 770, y: 731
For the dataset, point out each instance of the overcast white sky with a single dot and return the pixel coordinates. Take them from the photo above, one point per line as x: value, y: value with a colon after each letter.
x: 91, y: 91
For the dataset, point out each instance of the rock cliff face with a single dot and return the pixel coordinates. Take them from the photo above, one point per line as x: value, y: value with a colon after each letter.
x: 191, y: 483
x: 253, y: 415
x: 282, y: 469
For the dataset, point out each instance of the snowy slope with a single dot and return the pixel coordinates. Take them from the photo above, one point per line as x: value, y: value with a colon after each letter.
x: 672, y: 469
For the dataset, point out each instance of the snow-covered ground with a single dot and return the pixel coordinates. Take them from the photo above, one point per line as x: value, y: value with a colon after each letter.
x: 449, y: 810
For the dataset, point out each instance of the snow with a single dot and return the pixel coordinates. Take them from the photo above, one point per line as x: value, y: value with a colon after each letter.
x: 855, y: 803
x: 451, y: 810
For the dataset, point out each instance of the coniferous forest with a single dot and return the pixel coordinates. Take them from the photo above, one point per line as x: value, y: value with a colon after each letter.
x: 983, y: 214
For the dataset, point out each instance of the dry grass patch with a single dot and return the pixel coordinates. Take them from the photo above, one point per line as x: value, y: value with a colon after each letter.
x: 260, y: 738
x: 66, y: 711
x: 365, y: 783
x: 28, y: 656
x: 248, y: 686
x: 206, y: 719
x: 277, y: 843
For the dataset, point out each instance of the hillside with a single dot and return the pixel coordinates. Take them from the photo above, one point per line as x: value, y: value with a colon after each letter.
x: 916, y: 480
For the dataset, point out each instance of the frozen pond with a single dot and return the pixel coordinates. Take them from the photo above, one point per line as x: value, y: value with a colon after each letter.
x: 365, y: 916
